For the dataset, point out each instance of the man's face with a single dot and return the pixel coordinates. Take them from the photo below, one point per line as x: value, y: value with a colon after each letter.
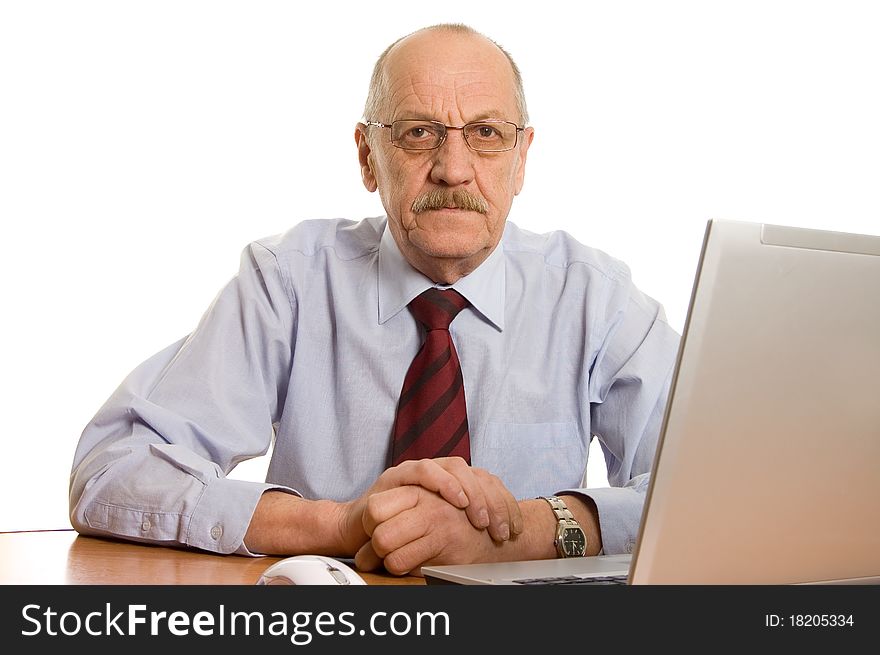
x: 454, y: 79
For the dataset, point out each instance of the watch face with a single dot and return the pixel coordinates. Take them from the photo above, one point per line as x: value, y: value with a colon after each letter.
x: 573, y: 542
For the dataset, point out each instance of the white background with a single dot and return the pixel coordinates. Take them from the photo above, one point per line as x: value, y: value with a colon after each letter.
x: 143, y: 144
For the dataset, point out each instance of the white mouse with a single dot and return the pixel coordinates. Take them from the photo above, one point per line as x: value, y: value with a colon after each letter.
x: 309, y: 569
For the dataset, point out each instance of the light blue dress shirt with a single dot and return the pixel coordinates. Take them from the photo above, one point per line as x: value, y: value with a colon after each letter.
x: 309, y: 344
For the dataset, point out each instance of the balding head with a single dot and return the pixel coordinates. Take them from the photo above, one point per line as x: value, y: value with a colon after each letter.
x: 421, y: 43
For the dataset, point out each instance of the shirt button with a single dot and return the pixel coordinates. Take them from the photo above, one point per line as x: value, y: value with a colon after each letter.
x: 146, y: 525
x: 216, y: 531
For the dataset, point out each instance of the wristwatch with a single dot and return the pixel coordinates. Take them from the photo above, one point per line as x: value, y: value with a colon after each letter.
x: 570, y: 539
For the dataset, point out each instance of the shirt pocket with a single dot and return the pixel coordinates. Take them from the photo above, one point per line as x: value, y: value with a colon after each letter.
x: 533, y: 459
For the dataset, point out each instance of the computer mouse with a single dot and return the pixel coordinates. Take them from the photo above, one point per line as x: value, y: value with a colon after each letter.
x: 309, y: 570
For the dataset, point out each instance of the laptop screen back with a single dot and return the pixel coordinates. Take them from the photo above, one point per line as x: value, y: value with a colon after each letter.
x: 770, y: 455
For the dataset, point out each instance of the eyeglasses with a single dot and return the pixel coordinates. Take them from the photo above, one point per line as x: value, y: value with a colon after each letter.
x: 482, y: 136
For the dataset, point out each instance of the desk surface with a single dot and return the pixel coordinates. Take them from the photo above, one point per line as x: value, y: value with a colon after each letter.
x: 64, y: 557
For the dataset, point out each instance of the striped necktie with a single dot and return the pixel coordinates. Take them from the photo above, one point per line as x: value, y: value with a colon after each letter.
x: 431, y: 414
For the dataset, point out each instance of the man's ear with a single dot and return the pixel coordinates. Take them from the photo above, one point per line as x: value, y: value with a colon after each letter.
x: 520, y: 178
x: 363, y: 146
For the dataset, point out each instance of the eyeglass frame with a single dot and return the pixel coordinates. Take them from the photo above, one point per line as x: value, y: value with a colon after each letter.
x: 446, y: 129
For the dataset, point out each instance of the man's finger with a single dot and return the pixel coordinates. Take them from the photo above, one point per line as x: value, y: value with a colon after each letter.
x: 477, y: 508
x: 366, y: 558
x: 402, y: 528
x: 385, y: 505
x: 505, y: 517
x: 409, y: 558
x: 430, y: 475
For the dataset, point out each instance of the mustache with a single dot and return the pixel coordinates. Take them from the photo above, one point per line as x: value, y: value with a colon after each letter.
x: 440, y: 198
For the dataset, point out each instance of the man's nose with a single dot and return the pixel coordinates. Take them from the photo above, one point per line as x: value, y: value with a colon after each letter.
x: 453, y: 161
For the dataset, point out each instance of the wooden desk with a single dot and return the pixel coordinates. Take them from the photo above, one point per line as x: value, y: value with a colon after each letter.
x: 62, y: 557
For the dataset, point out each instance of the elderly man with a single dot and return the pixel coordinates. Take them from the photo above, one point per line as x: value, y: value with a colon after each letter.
x: 432, y: 378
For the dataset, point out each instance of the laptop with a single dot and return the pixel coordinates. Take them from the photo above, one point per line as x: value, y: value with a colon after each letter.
x: 768, y: 462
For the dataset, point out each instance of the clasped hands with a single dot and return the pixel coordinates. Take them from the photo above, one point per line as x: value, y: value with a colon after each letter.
x: 431, y: 511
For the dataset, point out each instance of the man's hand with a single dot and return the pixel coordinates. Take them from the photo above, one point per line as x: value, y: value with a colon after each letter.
x: 490, y: 504
x: 481, y: 497
x: 411, y: 526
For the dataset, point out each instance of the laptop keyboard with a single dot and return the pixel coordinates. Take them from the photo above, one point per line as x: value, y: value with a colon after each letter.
x: 573, y: 579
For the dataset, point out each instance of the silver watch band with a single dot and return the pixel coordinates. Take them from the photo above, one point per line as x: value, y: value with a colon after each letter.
x: 563, y: 514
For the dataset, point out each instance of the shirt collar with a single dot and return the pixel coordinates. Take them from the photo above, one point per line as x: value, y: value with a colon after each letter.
x: 399, y: 283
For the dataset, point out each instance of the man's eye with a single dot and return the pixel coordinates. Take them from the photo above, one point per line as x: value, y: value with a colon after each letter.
x: 417, y: 135
x: 485, y: 133
x: 419, y: 132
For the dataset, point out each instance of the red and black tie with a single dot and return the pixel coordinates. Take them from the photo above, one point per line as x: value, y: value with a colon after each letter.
x: 431, y: 414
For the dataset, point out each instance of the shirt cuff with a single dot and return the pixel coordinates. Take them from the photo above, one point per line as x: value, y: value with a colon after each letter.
x: 223, y: 514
